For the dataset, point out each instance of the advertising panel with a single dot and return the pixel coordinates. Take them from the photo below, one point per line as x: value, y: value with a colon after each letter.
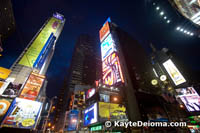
x: 4, y: 105
x: 107, y: 47
x: 73, y: 120
x: 190, y: 98
x: 112, y: 73
x: 23, y: 114
x: 173, y: 72
x: 105, y: 30
x: 90, y: 115
x: 10, y: 89
x: 4, y: 73
x: 34, y: 50
x: 90, y: 93
x: 32, y: 86
x: 111, y: 111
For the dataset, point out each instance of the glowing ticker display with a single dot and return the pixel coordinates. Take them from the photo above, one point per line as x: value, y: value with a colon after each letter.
x: 107, y: 47
x: 34, y: 50
x: 112, y: 73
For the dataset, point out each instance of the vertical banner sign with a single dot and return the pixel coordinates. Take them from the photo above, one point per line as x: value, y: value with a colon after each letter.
x: 32, y: 86
x: 34, y: 50
x: 173, y: 72
x: 112, y: 73
x: 105, y: 30
x: 23, y: 114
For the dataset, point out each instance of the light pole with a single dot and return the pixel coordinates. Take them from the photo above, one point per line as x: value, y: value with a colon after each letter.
x: 46, y: 120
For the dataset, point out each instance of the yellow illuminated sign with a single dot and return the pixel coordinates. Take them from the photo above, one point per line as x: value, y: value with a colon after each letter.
x: 4, y: 72
x: 34, y: 50
x: 111, y: 110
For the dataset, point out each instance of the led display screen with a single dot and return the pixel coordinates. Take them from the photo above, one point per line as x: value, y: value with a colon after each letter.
x: 105, y: 30
x: 173, y: 72
x: 34, y: 50
x: 107, y: 47
x: 90, y: 115
x: 112, y: 73
x: 4, y: 105
x: 190, y: 98
x: 23, y: 114
x: 32, y: 87
x: 73, y: 120
x: 90, y: 93
x: 111, y: 111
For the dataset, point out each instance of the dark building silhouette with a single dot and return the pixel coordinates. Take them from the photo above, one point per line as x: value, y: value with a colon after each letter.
x: 84, y: 70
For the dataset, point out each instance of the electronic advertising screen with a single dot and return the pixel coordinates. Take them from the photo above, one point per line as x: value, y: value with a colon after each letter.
x: 111, y: 111
x: 190, y: 98
x: 105, y: 30
x: 90, y: 93
x: 73, y: 120
x: 32, y: 87
x: 4, y: 106
x: 107, y: 47
x: 112, y: 73
x: 173, y: 72
x: 23, y: 114
x: 90, y: 115
x: 4, y: 73
x: 36, y: 47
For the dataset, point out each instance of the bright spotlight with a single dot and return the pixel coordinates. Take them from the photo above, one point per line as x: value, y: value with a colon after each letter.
x: 165, y: 17
x: 188, y: 32
x: 191, y: 34
x: 185, y: 31
x: 168, y: 21
x: 181, y: 30
x: 178, y: 28
x: 161, y: 13
x: 157, y: 8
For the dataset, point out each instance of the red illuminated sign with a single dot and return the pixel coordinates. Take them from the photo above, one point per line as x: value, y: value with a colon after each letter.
x: 112, y: 73
x: 105, y: 30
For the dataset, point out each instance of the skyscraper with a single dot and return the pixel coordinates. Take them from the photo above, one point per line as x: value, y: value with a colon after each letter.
x: 84, y: 70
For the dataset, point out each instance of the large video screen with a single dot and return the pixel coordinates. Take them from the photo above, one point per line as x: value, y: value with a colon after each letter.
x: 23, y: 114
x: 34, y: 50
x: 173, y: 72
x: 73, y: 120
x: 107, y: 47
x: 32, y: 87
x: 111, y: 111
x: 112, y: 73
x: 105, y: 30
x: 190, y: 98
x: 90, y: 115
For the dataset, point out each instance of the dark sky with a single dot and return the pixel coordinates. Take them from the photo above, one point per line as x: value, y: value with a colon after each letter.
x: 139, y: 18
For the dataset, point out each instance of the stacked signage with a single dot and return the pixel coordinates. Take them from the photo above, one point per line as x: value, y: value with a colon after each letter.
x: 112, y: 73
x: 190, y: 98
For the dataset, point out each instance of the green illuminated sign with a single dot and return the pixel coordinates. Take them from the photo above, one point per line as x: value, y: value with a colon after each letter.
x: 96, y: 128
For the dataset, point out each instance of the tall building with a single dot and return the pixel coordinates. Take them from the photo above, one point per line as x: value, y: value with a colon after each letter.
x: 26, y: 82
x: 84, y: 70
x: 7, y: 21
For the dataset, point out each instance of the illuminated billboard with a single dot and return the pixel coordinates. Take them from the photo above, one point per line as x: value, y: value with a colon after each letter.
x: 190, y: 98
x: 173, y: 72
x: 107, y: 47
x: 73, y: 120
x: 112, y: 73
x: 4, y: 106
x: 90, y: 93
x: 4, y: 73
x: 105, y: 30
x: 111, y: 111
x: 34, y: 50
x: 32, y: 86
x: 90, y: 115
x: 23, y: 114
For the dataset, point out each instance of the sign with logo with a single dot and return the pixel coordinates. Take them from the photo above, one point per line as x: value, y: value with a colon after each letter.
x: 4, y: 105
x: 32, y: 86
x: 34, y: 50
x: 90, y: 115
x: 4, y: 73
x: 105, y: 30
x: 23, y: 114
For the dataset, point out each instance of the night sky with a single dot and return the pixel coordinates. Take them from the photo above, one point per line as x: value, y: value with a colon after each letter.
x: 139, y: 18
